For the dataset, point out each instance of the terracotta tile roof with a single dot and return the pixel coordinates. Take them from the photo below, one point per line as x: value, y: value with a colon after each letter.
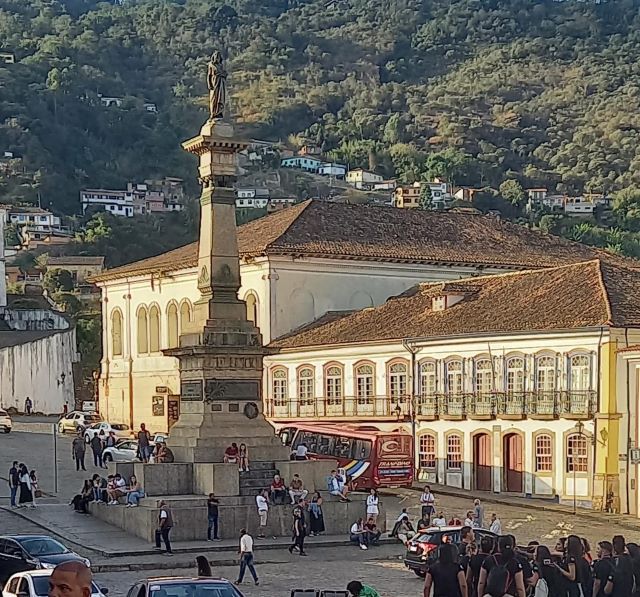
x: 340, y: 231
x: 581, y: 295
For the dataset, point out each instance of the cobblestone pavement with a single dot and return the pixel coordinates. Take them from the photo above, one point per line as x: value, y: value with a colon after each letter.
x: 326, y: 569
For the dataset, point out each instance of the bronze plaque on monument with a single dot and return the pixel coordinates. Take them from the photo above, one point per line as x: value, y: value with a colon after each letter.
x: 191, y: 391
x: 224, y: 389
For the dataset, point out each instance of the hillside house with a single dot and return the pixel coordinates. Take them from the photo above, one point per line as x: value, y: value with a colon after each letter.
x: 362, y: 179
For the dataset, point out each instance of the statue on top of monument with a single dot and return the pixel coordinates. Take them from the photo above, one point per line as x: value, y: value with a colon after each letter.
x: 217, y: 84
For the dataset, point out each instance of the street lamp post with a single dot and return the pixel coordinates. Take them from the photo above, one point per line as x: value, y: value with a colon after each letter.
x: 579, y: 433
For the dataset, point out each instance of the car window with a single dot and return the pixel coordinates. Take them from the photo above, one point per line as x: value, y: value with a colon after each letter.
x: 12, y: 587
x: 451, y: 537
x: 136, y: 591
x: 43, y: 546
x: 126, y: 446
x: 23, y: 587
x: 11, y: 548
x: 120, y: 427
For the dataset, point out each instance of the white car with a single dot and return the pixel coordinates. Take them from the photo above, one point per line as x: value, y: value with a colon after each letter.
x: 5, y: 421
x: 77, y: 420
x: 120, y: 430
x: 124, y: 451
x: 35, y: 583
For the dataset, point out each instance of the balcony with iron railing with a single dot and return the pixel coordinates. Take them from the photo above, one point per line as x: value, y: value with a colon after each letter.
x: 448, y: 406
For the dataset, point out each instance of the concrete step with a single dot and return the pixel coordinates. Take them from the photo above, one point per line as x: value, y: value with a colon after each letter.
x: 255, y: 483
x: 261, y: 466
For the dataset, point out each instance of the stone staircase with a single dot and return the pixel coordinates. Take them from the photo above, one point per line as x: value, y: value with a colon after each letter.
x: 259, y: 477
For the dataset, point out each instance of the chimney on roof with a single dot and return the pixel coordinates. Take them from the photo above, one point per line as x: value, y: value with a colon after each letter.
x: 451, y: 294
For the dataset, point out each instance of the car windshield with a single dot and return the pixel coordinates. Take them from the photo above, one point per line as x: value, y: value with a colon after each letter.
x: 43, y: 546
x: 41, y: 586
x: 120, y: 427
x: 191, y: 589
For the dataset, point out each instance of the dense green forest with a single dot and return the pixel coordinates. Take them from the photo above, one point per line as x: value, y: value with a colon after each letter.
x: 543, y: 91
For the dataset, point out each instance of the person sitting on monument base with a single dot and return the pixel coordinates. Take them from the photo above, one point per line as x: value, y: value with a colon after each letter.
x: 165, y: 455
x: 231, y: 454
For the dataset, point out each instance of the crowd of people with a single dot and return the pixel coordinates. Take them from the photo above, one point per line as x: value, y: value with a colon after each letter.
x: 109, y: 491
x: 23, y: 486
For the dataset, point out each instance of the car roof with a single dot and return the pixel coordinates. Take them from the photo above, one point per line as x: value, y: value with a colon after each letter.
x: 168, y: 580
x: 22, y: 537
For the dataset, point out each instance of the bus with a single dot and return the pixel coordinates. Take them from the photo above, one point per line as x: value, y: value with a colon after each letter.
x: 369, y: 457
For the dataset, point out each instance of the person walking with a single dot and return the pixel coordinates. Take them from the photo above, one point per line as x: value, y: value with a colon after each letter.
x: 475, y: 564
x: 372, y: 505
x: 602, y: 568
x: 78, y: 449
x: 165, y: 524
x: 246, y: 557
x: 428, y: 504
x: 299, y: 531
x: 26, y: 495
x: 212, y: 517
x: 28, y: 406
x: 478, y: 514
x: 96, y: 447
x: 144, y: 443
x: 316, y: 516
x: 14, y: 483
x: 502, y: 568
x: 263, y: 511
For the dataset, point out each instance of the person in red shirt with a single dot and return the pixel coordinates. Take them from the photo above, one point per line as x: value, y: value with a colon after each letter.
x: 278, y: 490
x: 231, y: 454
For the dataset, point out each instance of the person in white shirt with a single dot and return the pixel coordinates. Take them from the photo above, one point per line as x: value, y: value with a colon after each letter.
x: 337, y: 488
x: 439, y: 520
x: 263, y: 509
x: 372, y: 505
x: 119, y: 489
x: 468, y: 521
x: 496, y: 525
x: 357, y: 534
x: 246, y: 556
x: 301, y: 452
x: 428, y: 503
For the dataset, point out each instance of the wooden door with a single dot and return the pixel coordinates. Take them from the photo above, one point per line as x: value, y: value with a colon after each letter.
x: 513, y: 462
x: 482, y: 461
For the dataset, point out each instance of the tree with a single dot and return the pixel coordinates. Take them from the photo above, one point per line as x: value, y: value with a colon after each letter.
x: 512, y: 191
x: 11, y: 236
x: 626, y: 207
x: 58, y: 280
x: 448, y: 164
x: 426, y: 197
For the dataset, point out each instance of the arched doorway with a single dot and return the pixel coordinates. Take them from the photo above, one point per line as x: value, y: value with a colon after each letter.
x: 482, y: 461
x: 513, y: 460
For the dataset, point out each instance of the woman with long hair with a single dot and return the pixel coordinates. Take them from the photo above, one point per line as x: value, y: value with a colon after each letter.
x: 204, y: 568
x: 26, y: 495
x: 575, y: 569
x: 316, y: 516
x: 446, y: 576
x: 35, y: 488
x: 243, y: 458
x: 545, y: 570
x: 505, y: 557
x: 372, y: 505
x: 634, y: 553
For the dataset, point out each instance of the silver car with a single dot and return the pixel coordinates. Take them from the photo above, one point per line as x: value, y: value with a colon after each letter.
x: 77, y: 420
x: 5, y: 421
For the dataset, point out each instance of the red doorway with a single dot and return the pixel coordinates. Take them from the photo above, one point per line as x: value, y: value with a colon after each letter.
x: 482, y: 461
x: 513, y: 463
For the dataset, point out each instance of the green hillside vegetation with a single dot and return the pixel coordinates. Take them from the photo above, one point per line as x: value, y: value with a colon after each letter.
x: 479, y: 91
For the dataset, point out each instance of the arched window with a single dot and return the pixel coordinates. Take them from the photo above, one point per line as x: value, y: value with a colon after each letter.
x: 544, y: 453
x: 154, y: 329
x: 252, y: 307
x: 580, y: 373
x: 186, y: 315
x: 172, y: 325
x: 484, y: 377
x: 280, y: 387
x: 545, y: 373
x: 455, y: 382
x: 397, y: 380
x: 577, y: 453
x: 116, y: 333
x: 427, y: 447
x: 365, y: 383
x: 427, y: 378
x: 515, y: 375
x: 454, y: 452
x: 143, y: 331
x: 306, y: 385
x: 333, y: 383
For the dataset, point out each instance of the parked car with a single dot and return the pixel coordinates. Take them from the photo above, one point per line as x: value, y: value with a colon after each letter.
x: 35, y: 583
x: 125, y: 450
x: 120, y: 430
x: 77, y: 420
x: 422, y: 548
x: 5, y: 421
x: 19, y: 553
x: 180, y: 587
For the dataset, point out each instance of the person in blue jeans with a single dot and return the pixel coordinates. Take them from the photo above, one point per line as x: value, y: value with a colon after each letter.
x: 14, y: 483
x: 134, y: 493
x: 246, y: 557
x: 212, y: 515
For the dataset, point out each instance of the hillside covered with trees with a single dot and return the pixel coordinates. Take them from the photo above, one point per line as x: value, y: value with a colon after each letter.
x: 480, y: 91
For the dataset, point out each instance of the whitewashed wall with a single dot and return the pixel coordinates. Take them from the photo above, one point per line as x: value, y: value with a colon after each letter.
x: 35, y: 369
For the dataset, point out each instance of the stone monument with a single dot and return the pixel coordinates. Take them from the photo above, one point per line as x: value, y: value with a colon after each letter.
x: 220, y: 352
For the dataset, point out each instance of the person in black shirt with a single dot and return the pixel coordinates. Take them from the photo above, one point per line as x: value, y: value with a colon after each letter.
x: 573, y: 569
x: 14, y: 483
x: 523, y: 559
x: 634, y: 553
x: 602, y: 568
x: 544, y: 569
x: 212, y: 515
x: 475, y: 563
x: 620, y: 582
x: 446, y: 576
x: 467, y: 538
x: 506, y: 558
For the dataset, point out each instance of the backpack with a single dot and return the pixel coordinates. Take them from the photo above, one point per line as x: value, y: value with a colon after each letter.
x: 498, y: 580
x: 542, y: 588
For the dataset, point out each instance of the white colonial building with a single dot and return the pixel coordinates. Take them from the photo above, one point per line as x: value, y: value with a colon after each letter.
x: 509, y: 383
